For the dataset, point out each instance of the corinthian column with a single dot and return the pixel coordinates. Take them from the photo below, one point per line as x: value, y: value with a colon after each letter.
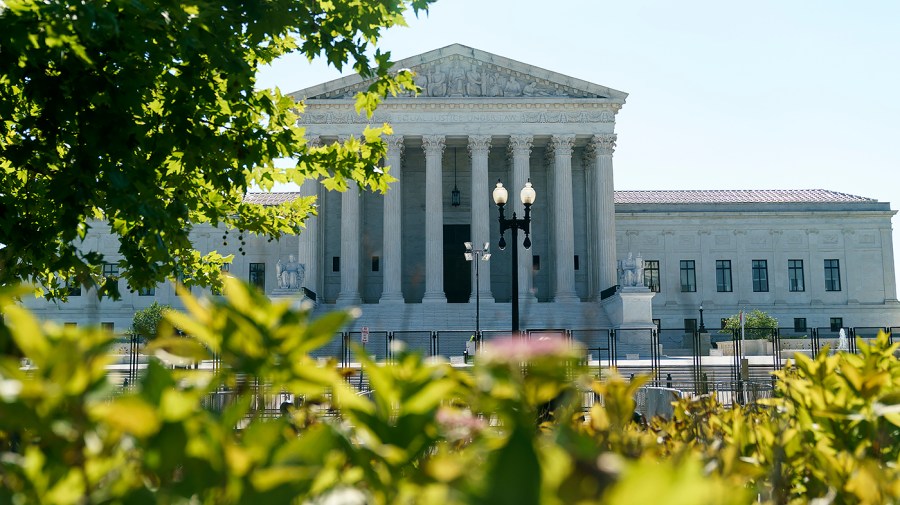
x: 349, y: 294
x: 520, y: 151
x: 434, y: 220
x: 600, y: 152
x: 392, y: 290
x: 308, y: 241
x: 564, y: 240
x: 479, y: 147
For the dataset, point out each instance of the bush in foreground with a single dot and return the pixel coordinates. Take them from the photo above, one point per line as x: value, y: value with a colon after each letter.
x: 510, y: 430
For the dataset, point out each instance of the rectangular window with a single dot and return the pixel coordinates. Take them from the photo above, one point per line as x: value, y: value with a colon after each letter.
x: 688, y: 276
x: 795, y: 276
x: 723, y: 323
x: 723, y: 276
x: 74, y: 288
x: 151, y: 291
x: 110, y: 327
x: 111, y: 273
x: 832, y: 275
x: 837, y: 323
x: 799, y: 324
x: 760, y: 276
x: 335, y: 263
x: 576, y: 262
x: 258, y: 275
x: 376, y: 264
x: 535, y: 262
x: 690, y: 325
x: 651, y: 275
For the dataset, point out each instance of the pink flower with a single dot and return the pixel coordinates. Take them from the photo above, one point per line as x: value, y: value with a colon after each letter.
x: 459, y: 424
x: 518, y: 349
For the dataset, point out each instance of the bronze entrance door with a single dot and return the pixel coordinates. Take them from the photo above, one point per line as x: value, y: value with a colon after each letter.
x: 457, y: 271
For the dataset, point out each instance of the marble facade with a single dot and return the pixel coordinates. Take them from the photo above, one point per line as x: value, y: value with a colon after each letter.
x: 482, y: 117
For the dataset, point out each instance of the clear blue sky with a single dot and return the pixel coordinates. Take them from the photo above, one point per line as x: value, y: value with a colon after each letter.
x: 722, y: 95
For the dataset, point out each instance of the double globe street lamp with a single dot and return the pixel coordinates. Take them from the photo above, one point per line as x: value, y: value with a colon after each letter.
x: 474, y: 255
x: 527, y: 196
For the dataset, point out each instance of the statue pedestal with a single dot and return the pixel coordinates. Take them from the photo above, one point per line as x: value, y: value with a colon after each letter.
x: 294, y: 296
x: 630, y: 312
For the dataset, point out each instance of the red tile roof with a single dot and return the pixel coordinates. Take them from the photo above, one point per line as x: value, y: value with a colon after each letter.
x: 737, y: 196
x: 271, y: 198
x: 645, y: 197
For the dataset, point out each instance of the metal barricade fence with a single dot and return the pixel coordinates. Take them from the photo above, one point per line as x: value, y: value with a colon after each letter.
x: 416, y: 341
x: 376, y: 348
x: 452, y: 342
x: 335, y: 348
x: 866, y: 334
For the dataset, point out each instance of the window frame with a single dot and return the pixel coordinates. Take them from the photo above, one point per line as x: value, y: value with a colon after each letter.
x: 796, y: 278
x: 836, y: 323
x: 832, y: 274
x: 723, y: 277
x: 688, y: 275
x: 760, y: 275
x: 651, y: 274
x: 257, y: 275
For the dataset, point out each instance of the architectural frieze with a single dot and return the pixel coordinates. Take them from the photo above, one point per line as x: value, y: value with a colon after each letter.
x: 461, y: 76
x: 344, y: 116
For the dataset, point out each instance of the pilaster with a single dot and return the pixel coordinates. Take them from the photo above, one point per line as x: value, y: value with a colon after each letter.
x: 479, y: 148
x: 392, y: 288
x: 349, y: 294
x: 520, y: 152
x: 308, y: 242
x: 600, y: 153
x: 434, y: 219
x: 564, y: 241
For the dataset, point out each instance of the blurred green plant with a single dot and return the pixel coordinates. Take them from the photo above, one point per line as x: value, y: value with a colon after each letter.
x: 510, y: 429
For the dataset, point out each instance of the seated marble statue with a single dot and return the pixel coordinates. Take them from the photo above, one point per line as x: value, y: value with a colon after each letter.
x: 290, y: 274
x: 631, y: 271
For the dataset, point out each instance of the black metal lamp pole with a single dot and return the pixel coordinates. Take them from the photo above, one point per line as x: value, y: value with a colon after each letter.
x: 474, y: 255
x: 500, y: 197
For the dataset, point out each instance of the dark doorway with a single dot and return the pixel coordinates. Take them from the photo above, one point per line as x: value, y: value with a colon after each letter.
x: 457, y: 279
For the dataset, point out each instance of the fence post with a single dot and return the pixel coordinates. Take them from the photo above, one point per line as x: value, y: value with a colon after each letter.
x: 611, y: 338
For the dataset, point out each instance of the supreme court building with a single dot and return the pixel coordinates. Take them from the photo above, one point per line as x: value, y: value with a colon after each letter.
x: 600, y: 259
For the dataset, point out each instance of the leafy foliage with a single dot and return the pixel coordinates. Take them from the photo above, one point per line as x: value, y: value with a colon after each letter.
x: 143, y: 118
x: 510, y: 429
x: 757, y: 325
x: 145, y: 323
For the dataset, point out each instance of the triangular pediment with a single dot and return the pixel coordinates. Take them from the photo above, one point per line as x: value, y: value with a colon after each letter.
x: 458, y: 71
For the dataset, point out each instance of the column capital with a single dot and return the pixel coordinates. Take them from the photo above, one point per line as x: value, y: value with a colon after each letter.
x: 520, y: 144
x: 562, y: 144
x: 433, y: 144
x: 601, y: 145
x: 394, y: 144
x: 479, y: 144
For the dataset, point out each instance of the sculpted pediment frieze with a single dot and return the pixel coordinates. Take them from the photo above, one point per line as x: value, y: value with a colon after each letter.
x: 466, y: 77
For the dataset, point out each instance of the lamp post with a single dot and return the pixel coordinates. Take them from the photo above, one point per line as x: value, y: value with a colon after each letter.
x: 702, y: 326
x: 527, y: 196
x: 474, y: 255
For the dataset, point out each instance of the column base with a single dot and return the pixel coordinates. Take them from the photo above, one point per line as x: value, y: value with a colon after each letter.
x: 434, y: 298
x: 351, y: 299
x: 566, y: 298
x: 391, y: 298
x: 486, y: 297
